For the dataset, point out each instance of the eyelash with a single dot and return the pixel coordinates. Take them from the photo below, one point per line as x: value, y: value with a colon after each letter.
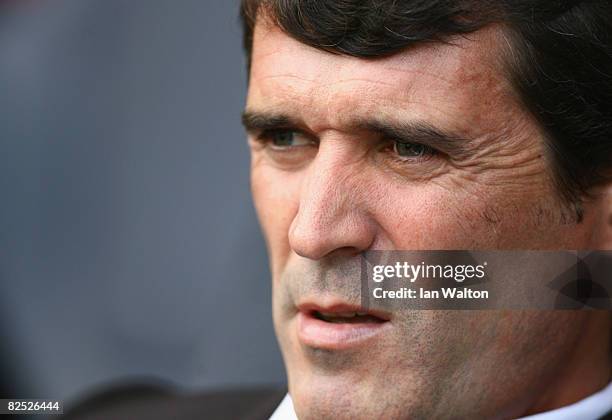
x: 266, y: 137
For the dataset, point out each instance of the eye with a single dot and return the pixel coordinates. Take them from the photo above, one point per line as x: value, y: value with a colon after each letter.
x: 281, y: 139
x: 409, y: 150
x: 285, y: 148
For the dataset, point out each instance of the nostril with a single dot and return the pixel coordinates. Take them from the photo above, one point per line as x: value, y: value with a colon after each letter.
x: 313, y: 241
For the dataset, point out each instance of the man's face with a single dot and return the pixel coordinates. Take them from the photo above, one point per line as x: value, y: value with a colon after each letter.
x: 427, y: 149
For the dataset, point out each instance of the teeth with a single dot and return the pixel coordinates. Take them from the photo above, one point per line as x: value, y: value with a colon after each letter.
x: 338, y: 314
x: 346, y: 317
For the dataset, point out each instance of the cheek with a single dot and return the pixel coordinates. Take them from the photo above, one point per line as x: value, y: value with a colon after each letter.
x: 434, y: 217
x: 276, y: 199
x: 422, y: 217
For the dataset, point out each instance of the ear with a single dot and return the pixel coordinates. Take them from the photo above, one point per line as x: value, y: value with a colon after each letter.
x: 602, y: 227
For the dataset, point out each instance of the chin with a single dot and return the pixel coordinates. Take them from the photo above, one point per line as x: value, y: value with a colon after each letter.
x: 347, y: 395
x: 325, y: 399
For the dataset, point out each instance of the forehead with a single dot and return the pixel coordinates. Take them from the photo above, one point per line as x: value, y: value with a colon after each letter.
x: 456, y: 83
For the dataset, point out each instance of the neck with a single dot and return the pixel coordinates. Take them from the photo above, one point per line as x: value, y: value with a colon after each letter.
x: 587, y: 369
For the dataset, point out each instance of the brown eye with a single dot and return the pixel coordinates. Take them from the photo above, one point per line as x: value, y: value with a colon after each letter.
x: 412, y: 150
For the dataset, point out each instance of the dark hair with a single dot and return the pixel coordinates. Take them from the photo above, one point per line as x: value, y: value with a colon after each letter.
x: 560, y: 60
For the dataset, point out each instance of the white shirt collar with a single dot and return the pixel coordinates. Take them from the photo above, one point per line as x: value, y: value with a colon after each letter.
x: 285, y: 410
x: 590, y: 408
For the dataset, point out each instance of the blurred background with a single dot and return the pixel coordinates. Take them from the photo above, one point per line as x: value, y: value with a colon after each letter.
x: 129, y: 247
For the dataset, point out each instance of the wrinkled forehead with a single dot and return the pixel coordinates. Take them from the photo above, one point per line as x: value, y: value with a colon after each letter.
x: 462, y: 79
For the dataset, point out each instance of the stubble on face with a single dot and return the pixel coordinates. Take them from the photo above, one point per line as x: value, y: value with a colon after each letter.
x: 321, y: 206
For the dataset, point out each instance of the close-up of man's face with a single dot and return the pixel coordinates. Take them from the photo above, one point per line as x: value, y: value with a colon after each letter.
x: 306, y: 209
x: 429, y: 148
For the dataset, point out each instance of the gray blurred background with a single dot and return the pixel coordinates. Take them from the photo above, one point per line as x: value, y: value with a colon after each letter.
x: 128, y: 242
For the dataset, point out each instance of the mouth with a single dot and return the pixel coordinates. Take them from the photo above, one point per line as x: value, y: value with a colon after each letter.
x: 339, y: 327
x: 347, y: 317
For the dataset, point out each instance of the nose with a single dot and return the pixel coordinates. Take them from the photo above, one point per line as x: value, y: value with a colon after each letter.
x: 332, y: 216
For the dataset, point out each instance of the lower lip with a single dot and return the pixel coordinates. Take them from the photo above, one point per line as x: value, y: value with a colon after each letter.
x: 314, y: 332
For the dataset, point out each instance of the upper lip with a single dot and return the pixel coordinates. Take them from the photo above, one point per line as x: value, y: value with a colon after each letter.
x: 341, y: 307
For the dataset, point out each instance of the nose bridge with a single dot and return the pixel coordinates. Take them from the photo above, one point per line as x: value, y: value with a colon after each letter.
x: 330, y: 216
x: 324, y: 195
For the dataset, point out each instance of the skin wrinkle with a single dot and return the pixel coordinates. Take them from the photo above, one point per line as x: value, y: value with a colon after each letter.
x: 346, y: 196
x: 297, y: 95
x: 284, y: 76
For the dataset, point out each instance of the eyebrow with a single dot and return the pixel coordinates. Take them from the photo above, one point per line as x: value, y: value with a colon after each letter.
x: 260, y: 121
x: 405, y: 132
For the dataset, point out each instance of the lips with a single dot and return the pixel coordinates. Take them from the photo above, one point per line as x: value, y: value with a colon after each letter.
x: 339, y: 327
